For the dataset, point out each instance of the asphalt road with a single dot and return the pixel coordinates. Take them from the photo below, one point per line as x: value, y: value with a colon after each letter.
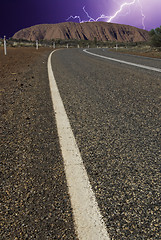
x: 114, y: 111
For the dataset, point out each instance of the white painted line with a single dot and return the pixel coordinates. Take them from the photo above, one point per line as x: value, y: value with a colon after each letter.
x: 89, y: 224
x: 121, y: 61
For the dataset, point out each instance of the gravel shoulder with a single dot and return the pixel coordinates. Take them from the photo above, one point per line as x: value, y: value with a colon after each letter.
x: 34, y: 199
x: 139, y: 52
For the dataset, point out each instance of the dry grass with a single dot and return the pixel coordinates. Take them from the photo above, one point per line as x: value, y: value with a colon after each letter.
x: 145, y: 51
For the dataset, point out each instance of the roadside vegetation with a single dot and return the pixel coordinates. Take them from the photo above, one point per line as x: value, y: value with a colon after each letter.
x: 71, y: 43
x: 155, y: 35
x: 151, y: 48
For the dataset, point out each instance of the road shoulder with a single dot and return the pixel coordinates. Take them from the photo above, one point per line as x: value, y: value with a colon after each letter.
x: 35, y: 201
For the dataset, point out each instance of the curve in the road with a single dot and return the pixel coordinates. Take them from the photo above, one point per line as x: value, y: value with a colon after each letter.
x: 88, y: 220
x: 124, y: 62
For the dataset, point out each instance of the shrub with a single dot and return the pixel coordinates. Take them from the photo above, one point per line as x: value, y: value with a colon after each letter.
x: 155, y: 35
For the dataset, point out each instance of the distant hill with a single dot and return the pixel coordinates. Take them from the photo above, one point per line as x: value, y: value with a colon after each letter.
x: 102, y: 31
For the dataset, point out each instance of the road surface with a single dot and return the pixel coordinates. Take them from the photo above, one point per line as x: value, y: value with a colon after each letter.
x: 114, y: 112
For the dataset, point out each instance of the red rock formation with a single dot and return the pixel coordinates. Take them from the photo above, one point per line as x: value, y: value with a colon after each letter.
x: 84, y: 31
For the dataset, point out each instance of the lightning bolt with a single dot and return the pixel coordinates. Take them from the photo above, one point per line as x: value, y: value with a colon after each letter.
x: 120, y: 10
x: 129, y: 4
x: 111, y: 18
x: 94, y: 20
x: 143, y: 16
x: 90, y: 19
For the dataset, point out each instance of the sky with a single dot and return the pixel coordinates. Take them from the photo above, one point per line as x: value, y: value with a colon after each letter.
x: 18, y: 14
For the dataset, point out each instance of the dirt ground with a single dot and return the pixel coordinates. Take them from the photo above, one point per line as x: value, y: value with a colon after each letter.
x: 16, y: 62
x: 34, y: 201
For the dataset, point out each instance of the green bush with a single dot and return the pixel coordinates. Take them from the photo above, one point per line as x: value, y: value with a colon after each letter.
x: 155, y: 35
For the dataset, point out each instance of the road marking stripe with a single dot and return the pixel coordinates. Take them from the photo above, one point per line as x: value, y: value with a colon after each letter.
x: 121, y: 61
x: 88, y: 220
